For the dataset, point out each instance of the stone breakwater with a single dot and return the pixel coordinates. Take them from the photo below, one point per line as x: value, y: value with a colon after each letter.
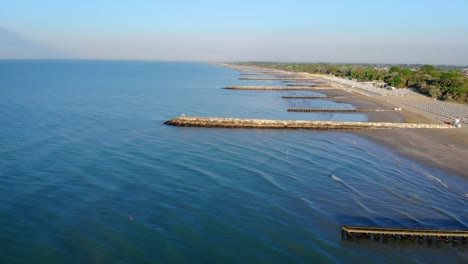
x: 325, y: 110
x: 291, y: 124
x: 279, y: 88
x: 276, y: 79
x: 309, y: 97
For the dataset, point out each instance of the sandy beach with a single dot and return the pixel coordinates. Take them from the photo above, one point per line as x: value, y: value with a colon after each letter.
x: 446, y: 150
x: 442, y: 149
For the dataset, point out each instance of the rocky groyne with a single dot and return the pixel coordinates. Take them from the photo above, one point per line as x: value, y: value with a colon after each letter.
x: 325, y: 110
x: 276, y: 79
x: 309, y: 97
x: 279, y: 88
x: 291, y: 124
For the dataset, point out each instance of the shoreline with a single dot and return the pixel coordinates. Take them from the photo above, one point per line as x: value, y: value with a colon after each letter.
x: 428, y: 147
x: 444, y: 150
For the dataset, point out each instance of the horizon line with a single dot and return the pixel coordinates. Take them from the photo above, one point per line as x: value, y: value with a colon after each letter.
x: 212, y: 61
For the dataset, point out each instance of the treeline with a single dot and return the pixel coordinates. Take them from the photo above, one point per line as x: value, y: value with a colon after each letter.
x: 450, y: 85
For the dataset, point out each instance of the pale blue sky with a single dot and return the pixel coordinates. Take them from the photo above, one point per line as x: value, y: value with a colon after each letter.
x: 334, y: 30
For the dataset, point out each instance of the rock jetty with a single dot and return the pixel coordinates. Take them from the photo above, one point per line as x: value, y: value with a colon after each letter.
x: 325, y: 110
x: 308, y: 97
x: 279, y: 88
x: 291, y: 124
x: 276, y: 79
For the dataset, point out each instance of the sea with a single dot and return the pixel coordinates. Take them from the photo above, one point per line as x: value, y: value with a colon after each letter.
x: 89, y: 173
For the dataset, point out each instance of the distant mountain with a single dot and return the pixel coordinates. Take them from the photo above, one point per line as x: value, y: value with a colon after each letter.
x: 14, y: 46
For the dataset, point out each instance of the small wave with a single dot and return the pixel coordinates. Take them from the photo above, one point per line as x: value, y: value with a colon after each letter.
x: 436, y: 179
x: 416, y: 199
x: 396, y: 194
x: 430, y: 176
x: 368, y: 210
x: 412, y: 218
x: 336, y: 178
x: 263, y: 175
x: 450, y: 215
x: 395, y: 158
x: 347, y: 140
x: 272, y: 181
x: 347, y: 185
x: 312, y: 205
x: 202, y: 172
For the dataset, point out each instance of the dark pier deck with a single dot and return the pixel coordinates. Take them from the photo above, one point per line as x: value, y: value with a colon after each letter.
x: 421, y: 235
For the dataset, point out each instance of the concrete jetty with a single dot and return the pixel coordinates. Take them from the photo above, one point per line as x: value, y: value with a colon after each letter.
x: 291, y: 124
x: 278, y: 88
x: 313, y: 110
x: 421, y: 235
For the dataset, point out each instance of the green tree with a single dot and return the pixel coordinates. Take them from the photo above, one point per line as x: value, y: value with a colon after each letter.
x: 428, y: 68
x: 394, y: 69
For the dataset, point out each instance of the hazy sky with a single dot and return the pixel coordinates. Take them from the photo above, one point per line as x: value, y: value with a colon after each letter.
x: 392, y: 31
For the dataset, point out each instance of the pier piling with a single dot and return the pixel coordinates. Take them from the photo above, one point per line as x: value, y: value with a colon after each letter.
x: 419, y: 235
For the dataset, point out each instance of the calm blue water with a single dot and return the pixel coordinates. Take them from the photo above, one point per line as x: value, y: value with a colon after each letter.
x: 89, y: 173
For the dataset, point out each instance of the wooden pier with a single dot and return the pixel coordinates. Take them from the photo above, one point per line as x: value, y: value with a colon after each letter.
x: 326, y: 110
x: 291, y: 124
x: 278, y: 88
x: 421, y: 235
